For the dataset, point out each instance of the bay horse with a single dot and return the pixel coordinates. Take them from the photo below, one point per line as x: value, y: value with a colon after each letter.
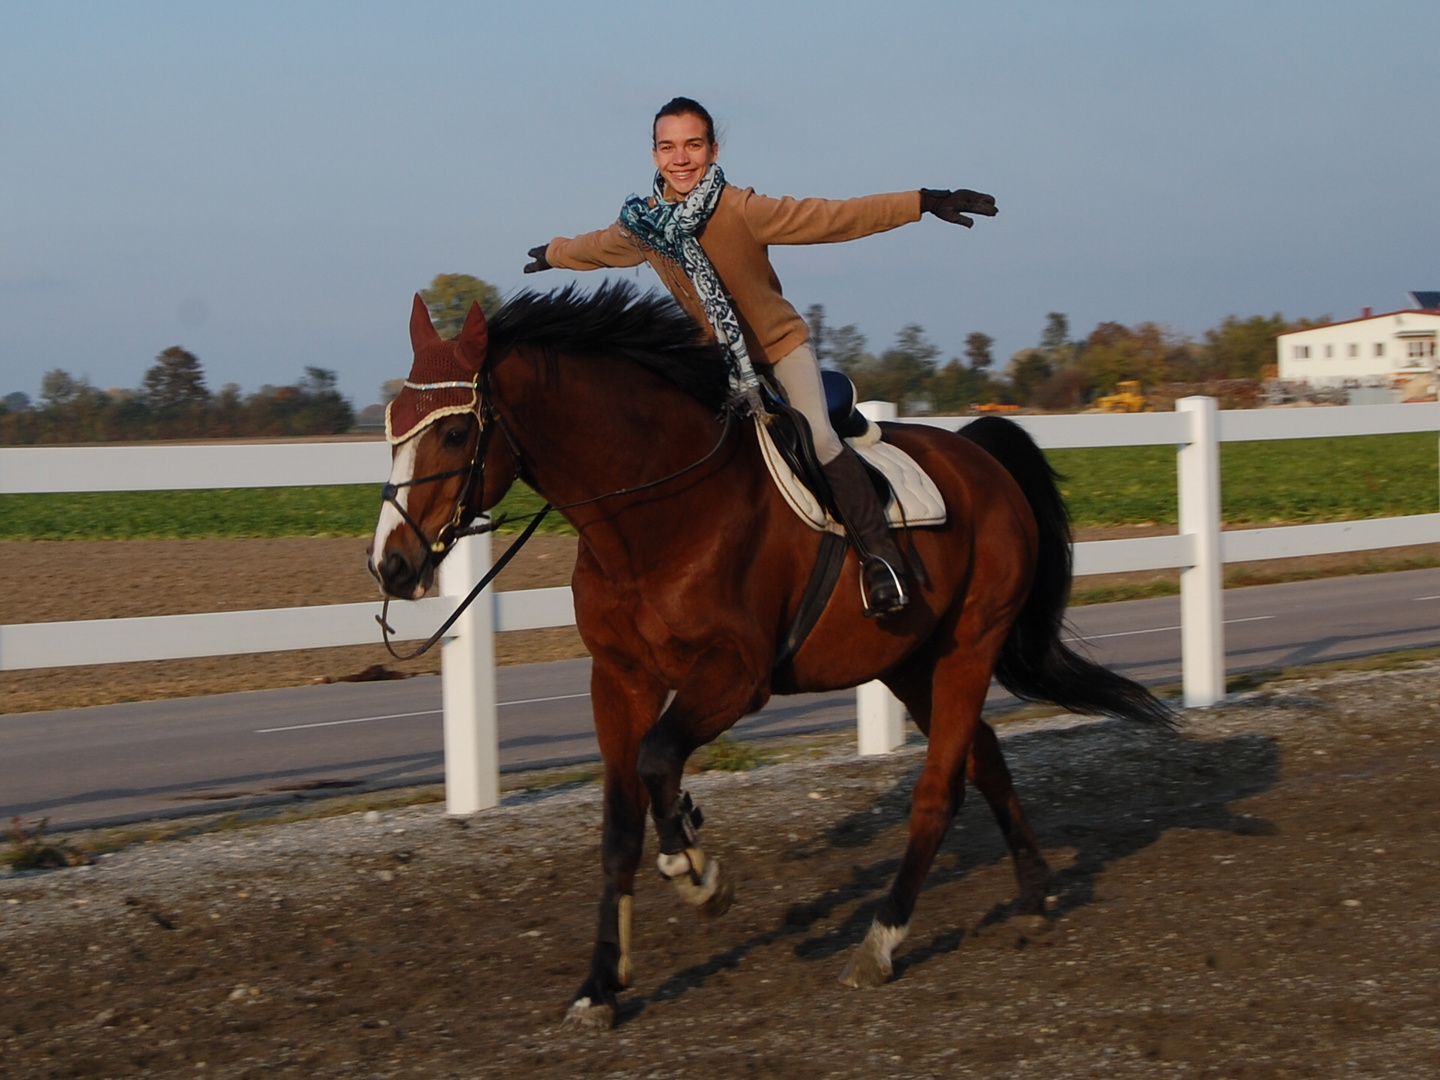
x: 691, y: 567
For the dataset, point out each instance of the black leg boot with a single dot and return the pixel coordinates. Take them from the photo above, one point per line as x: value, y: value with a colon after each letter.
x: 882, y: 586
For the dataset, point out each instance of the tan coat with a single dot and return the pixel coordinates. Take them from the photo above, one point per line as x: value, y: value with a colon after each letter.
x: 736, y: 239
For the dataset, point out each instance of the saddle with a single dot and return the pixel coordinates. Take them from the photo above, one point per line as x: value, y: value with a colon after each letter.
x: 909, y: 496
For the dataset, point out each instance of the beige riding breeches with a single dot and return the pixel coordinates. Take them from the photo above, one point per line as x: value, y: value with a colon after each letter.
x: 798, y: 373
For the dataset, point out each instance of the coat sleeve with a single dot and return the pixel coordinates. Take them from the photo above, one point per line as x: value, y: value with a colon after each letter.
x: 594, y: 250
x: 827, y: 221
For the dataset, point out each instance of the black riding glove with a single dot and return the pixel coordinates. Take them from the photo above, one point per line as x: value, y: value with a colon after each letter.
x: 540, y: 263
x: 952, y: 206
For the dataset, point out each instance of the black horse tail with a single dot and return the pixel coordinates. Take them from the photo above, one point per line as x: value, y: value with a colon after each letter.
x: 1035, y: 664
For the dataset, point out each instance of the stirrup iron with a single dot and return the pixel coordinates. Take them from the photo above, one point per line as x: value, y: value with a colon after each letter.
x: 891, y: 607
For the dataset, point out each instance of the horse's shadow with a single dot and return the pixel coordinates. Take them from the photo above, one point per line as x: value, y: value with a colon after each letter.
x: 1103, y: 791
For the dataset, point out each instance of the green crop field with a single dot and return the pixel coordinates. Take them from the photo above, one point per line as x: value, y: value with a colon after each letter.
x: 171, y: 515
x: 1285, y: 481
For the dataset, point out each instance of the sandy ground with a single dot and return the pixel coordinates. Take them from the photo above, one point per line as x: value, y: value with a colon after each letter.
x: 1250, y: 899
x: 69, y: 580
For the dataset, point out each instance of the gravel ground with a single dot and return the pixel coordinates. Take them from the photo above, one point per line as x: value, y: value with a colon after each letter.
x: 1251, y: 898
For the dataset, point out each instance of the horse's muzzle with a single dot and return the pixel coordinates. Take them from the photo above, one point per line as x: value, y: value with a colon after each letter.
x: 400, y: 578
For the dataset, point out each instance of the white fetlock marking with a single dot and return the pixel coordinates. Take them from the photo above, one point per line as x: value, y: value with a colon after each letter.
x: 586, y: 1014
x: 885, y: 940
x: 627, y: 924
x: 673, y: 866
x: 870, y: 965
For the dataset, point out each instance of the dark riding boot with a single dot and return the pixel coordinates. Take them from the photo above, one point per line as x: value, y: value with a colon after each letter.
x: 882, y: 586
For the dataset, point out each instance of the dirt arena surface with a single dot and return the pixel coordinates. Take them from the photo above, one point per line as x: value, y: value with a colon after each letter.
x: 46, y: 581
x: 1253, y: 898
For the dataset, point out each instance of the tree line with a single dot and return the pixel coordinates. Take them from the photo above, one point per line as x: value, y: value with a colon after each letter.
x: 1059, y: 372
x: 173, y: 402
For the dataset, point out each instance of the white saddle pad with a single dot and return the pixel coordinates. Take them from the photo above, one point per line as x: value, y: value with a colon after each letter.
x: 916, y: 499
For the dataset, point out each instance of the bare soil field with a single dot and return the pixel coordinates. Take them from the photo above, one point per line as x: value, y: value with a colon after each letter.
x: 45, y: 581
x: 1250, y: 898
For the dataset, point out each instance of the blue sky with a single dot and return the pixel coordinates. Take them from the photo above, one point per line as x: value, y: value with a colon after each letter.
x: 268, y: 184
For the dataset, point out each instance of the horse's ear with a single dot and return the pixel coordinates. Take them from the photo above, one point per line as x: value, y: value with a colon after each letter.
x: 474, y: 335
x: 422, y: 330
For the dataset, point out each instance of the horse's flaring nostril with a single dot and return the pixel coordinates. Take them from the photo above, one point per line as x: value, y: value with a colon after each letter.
x: 396, y: 573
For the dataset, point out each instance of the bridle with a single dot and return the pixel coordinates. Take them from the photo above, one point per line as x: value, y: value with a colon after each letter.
x: 453, y: 529
x: 490, y: 420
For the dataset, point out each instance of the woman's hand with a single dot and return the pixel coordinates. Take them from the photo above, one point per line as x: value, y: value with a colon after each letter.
x: 540, y: 263
x: 952, y: 206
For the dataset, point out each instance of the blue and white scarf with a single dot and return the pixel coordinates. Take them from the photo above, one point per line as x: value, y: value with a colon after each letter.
x: 671, y: 229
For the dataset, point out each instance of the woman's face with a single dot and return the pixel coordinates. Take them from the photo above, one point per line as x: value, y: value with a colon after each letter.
x: 683, y: 152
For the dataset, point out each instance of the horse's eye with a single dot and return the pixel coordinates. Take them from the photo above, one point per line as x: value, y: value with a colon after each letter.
x: 456, y: 437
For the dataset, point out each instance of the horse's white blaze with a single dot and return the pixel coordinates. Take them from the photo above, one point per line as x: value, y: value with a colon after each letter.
x: 402, y: 470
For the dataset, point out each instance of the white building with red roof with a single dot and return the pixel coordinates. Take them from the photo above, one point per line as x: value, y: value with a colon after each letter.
x: 1396, y: 349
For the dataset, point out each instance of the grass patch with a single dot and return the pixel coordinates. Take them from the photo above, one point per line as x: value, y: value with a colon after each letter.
x: 543, y: 780
x: 726, y: 755
x: 29, y: 850
x: 226, y: 513
x: 1111, y: 594
x: 1287, y: 480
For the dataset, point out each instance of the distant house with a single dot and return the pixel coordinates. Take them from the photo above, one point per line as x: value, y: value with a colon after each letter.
x: 1392, y: 351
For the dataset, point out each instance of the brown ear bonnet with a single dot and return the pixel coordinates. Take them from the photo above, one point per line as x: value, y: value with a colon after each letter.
x: 444, y: 379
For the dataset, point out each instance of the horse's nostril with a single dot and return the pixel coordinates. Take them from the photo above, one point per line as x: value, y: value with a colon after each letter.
x: 396, y: 573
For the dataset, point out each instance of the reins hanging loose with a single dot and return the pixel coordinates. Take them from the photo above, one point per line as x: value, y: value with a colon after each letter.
x: 387, y: 631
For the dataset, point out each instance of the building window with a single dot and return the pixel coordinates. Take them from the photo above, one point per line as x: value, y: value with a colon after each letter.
x: 1354, y: 350
x: 1379, y: 348
x: 1419, y: 350
x: 1329, y: 351
x: 1302, y: 352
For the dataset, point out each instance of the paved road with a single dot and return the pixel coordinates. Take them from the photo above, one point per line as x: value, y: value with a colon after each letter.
x: 138, y: 760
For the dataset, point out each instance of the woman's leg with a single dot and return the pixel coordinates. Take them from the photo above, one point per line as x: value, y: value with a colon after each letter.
x: 798, y: 374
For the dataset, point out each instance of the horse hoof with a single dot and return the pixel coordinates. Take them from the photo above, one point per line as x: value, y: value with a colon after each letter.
x: 715, y: 893
x: 583, y: 1013
x: 723, y: 896
x: 870, y: 963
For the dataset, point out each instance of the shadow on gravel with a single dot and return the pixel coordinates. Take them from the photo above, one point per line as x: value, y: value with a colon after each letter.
x: 1104, y: 791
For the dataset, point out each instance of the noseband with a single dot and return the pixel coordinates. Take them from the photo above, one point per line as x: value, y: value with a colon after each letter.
x: 453, y: 529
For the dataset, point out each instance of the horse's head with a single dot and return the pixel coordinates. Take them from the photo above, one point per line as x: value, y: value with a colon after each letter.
x: 445, y: 467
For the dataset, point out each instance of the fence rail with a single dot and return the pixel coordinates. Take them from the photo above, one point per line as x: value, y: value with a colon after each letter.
x: 1199, y: 549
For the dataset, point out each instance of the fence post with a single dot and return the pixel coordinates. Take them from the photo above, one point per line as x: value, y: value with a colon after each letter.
x: 880, y: 719
x: 1202, y: 613
x: 467, y: 677
x: 879, y: 716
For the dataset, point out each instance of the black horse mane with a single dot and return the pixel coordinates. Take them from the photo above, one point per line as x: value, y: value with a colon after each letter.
x: 617, y: 320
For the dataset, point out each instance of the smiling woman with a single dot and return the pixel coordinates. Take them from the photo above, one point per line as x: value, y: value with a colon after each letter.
x: 709, y: 243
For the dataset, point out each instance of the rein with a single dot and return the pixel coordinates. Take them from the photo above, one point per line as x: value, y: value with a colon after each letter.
x: 452, y: 531
x: 387, y: 631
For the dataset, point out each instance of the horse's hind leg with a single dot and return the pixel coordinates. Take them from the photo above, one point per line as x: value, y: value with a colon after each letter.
x: 623, y: 701
x: 960, y: 681
x: 986, y: 769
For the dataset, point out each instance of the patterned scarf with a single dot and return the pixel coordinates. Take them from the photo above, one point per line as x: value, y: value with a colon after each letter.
x: 671, y: 230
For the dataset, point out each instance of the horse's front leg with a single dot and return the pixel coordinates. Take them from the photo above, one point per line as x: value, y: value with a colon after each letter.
x: 719, y: 690
x: 625, y: 701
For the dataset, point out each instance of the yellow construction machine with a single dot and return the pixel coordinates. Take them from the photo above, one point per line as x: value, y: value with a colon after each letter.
x: 1126, y: 399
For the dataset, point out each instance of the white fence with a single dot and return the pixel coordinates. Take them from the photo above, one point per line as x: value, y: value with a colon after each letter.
x: 1199, y: 549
